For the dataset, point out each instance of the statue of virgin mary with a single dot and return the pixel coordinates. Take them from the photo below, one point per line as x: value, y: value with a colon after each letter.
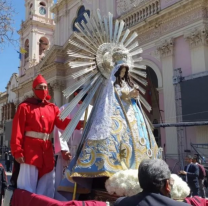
x: 118, y: 135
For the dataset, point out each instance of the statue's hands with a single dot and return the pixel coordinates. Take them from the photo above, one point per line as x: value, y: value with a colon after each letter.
x: 20, y: 159
x: 124, y: 96
x: 66, y: 155
x: 134, y: 94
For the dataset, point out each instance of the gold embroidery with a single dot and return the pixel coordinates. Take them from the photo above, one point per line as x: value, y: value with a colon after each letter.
x: 117, y: 152
x: 116, y: 129
x: 100, y: 164
x: 87, y: 164
x: 92, y: 174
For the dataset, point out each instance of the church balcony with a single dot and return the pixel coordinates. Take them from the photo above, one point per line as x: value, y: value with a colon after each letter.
x: 42, y: 19
x: 37, y: 18
x: 140, y: 12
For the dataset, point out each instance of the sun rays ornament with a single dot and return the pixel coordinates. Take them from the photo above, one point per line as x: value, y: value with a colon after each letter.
x: 97, y: 49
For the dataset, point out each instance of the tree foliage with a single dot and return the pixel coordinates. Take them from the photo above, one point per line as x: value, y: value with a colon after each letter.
x: 6, y: 22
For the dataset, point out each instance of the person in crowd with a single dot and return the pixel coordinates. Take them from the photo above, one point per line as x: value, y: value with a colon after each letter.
x: 156, y: 182
x: 3, y: 183
x: 30, y: 143
x: 191, y: 173
x: 202, y: 175
x: 8, y: 160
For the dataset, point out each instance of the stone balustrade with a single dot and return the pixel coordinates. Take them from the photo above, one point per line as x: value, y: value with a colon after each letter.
x: 42, y: 19
x: 140, y: 13
x: 38, y: 19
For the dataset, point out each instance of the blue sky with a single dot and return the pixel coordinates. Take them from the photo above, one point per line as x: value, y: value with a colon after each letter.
x: 9, y: 59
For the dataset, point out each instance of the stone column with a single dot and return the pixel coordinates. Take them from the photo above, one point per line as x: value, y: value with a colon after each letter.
x: 198, y: 42
x: 57, y: 93
x: 165, y: 49
x: 7, y: 112
x: 32, y: 44
x: 10, y: 110
x: 57, y: 30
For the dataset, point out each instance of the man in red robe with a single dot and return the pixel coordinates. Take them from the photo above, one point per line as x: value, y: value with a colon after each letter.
x: 31, y: 145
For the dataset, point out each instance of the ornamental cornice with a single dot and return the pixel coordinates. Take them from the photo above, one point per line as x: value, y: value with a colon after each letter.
x: 57, y: 84
x: 165, y: 48
x: 197, y: 37
x: 126, y: 7
x: 3, y: 97
x: 34, y: 23
x: 47, y: 67
x: 62, y: 3
x: 165, y: 24
x: 50, y: 73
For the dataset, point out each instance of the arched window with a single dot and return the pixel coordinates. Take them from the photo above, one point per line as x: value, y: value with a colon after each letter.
x: 42, y: 4
x: 27, y: 48
x: 43, y: 46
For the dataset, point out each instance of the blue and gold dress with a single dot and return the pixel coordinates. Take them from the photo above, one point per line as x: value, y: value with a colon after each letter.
x: 128, y: 142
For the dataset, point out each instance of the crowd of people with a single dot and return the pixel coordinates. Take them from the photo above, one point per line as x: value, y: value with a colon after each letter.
x: 8, y: 160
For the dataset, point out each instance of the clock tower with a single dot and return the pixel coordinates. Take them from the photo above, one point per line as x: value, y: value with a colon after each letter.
x: 36, y: 32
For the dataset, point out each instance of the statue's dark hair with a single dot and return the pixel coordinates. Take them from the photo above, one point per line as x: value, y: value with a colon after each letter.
x: 126, y: 77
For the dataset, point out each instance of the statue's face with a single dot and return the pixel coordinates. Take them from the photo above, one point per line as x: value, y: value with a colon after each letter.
x: 122, y: 72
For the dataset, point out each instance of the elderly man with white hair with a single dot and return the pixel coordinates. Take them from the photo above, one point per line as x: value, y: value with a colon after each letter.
x: 156, y: 182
